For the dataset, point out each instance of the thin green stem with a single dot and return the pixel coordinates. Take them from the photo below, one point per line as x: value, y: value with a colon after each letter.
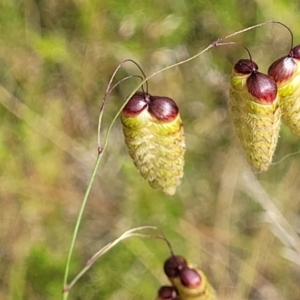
x: 78, y: 221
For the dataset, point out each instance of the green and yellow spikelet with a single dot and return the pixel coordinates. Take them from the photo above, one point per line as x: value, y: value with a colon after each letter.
x: 154, y: 136
x: 190, y: 283
x: 254, y: 104
x: 286, y: 73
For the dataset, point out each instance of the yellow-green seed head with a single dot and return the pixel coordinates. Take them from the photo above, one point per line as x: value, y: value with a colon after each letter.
x: 254, y: 104
x: 191, y: 283
x: 154, y: 136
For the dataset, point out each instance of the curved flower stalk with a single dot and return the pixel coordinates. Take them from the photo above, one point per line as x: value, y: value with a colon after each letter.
x: 254, y: 104
x: 154, y: 136
x: 286, y: 73
x: 189, y: 282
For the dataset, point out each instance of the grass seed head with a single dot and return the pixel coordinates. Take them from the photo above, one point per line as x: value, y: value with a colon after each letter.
x: 154, y: 135
x: 254, y: 104
x: 286, y: 73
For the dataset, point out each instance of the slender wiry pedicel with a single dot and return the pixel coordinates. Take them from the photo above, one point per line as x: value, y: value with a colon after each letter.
x: 286, y: 72
x: 254, y: 104
x: 190, y: 282
x: 154, y: 136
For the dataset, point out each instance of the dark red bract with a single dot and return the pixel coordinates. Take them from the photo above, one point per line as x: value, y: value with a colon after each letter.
x: 262, y: 87
x: 161, y: 108
x: 245, y: 66
x: 282, y: 69
x: 167, y: 292
x: 137, y: 103
x: 190, y: 277
x: 174, y: 265
x: 295, y: 52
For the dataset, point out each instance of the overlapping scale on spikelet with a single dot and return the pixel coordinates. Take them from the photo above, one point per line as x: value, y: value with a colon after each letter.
x: 254, y: 104
x: 190, y: 282
x: 286, y: 73
x: 154, y: 136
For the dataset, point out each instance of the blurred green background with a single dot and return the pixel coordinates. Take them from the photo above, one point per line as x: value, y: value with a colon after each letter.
x: 56, y: 58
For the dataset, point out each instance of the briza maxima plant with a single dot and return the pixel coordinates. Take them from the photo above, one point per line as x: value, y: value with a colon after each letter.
x: 254, y: 104
x: 154, y: 135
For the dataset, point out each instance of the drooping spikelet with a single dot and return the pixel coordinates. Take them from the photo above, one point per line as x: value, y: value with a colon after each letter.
x: 254, y: 104
x: 190, y: 283
x: 154, y: 136
x: 286, y: 73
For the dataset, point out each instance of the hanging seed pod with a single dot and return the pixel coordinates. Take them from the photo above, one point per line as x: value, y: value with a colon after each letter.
x: 191, y: 283
x: 286, y: 73
x: 154, y: 136
x: 167, y: 293
x: 254, y: 104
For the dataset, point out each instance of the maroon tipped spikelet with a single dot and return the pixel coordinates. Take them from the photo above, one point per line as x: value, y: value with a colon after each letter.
x: 154, y: 136
x: 254, y: 104
x: 286, y: 73
x: 190, y: 283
